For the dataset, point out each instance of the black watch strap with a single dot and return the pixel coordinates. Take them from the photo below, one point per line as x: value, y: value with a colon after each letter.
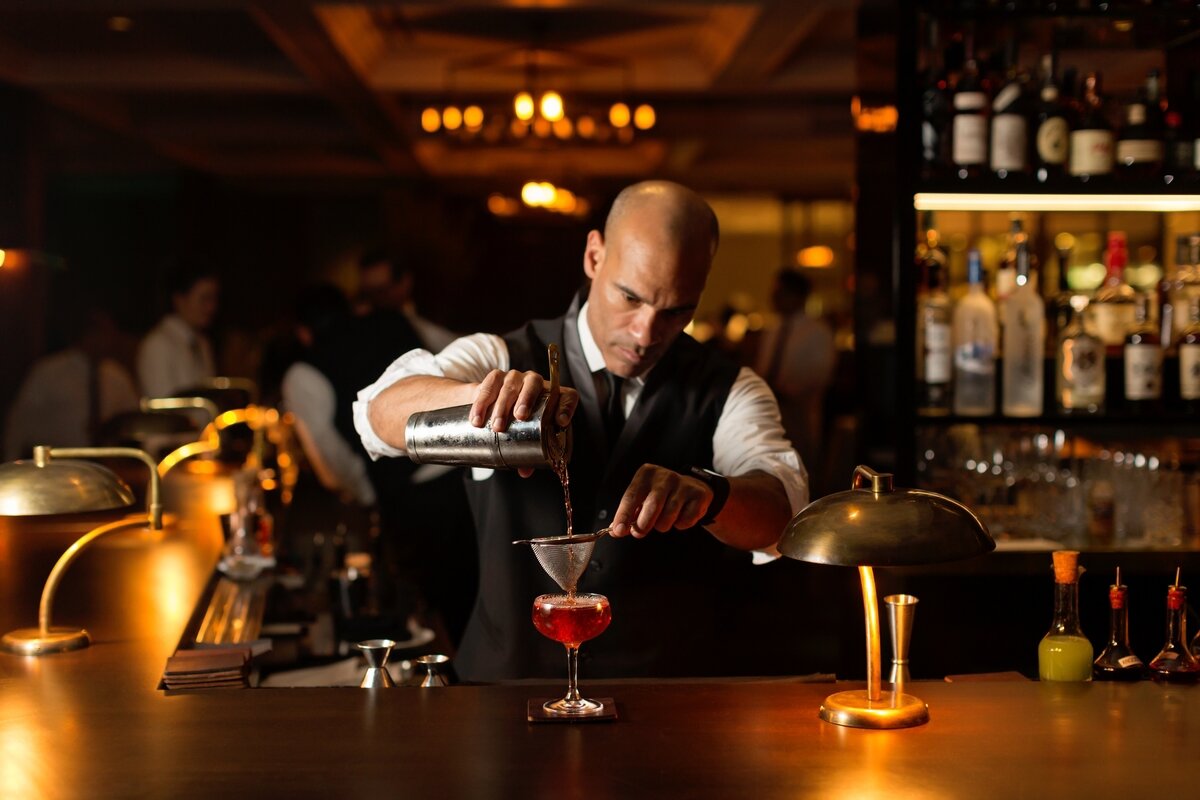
x: 720, y: 489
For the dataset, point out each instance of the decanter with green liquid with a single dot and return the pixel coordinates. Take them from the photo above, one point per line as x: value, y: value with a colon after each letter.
x: 1064, y: 653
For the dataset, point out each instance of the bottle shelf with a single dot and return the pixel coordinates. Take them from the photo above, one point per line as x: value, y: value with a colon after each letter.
x: 993, y: 194
x: 1110, y: 425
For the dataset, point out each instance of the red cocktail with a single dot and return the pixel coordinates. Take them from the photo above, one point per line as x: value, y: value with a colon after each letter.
x: 572, y: 620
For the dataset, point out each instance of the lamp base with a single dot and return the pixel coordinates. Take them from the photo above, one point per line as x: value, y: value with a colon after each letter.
x: 856, y: 710
x: 35, y: 642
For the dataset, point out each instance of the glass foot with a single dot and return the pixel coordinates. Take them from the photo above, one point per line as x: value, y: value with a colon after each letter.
x: 573, y: 708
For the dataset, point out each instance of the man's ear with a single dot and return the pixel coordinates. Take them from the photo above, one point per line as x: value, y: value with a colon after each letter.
x: 593, y: 254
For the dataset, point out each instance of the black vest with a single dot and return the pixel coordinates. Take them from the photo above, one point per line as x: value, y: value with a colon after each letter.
x: 670, y: 592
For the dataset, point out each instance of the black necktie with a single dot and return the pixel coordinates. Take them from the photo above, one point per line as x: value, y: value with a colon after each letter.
x: 614, y: 406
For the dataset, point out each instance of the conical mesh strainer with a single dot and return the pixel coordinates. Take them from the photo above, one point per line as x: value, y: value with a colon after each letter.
x: 564, y: 558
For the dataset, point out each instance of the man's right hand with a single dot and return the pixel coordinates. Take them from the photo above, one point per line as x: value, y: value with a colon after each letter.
x: 504, y: 396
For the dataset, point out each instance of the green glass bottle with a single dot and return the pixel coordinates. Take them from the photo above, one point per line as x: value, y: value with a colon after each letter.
x: 1065, y: 654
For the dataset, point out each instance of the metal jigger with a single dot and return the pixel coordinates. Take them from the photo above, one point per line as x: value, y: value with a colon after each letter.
x: 433, y: 675
x: 377, y: 652
x: 901, y: 610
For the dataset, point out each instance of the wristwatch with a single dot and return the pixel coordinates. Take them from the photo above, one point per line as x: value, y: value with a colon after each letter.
x: 720, y: 489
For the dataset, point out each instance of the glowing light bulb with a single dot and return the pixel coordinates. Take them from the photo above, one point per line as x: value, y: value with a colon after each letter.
x: 452, y: 118
x: 644, y: 117
x: 563, y: 128
x: 618, y: 115
x: 552, y: 106
x: 523, y: 106
x: 431, y: 120
x: 531, y: 194
x: 473, y: 117
x: 586, y: 127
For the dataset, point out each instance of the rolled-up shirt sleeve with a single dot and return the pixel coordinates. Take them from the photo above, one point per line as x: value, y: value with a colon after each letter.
x: 468, y: 359
x: 750, y: 437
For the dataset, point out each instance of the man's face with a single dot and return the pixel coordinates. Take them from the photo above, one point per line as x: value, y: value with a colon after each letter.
x: 645, y: 288
x: 378, y: 285
x: 198, y: 305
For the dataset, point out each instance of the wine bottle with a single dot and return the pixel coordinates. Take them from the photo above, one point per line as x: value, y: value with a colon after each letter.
x: 1010, y: 121
x: 1092, y: 137
x: 969, y: 135
x: 1140, y: 145
x: 933, y: 332
x: 1052, y: 133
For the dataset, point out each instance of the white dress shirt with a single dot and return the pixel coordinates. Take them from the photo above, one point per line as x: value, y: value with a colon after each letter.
x: 309, y: 395
x: 172, y: 357
x: 51, y: 406
x: 748, y: 436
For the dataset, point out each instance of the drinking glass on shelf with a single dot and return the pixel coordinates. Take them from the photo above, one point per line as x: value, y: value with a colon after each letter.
x: 572, y: 619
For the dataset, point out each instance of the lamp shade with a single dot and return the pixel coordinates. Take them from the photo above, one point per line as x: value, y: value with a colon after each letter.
x: 69, y: 486
x: 875, y: 524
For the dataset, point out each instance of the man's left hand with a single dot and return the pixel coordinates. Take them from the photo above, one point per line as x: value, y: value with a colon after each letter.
x: 659, y: 499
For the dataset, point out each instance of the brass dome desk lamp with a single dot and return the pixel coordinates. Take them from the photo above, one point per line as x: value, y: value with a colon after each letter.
x: 876, y: 525
x: 47, y: 485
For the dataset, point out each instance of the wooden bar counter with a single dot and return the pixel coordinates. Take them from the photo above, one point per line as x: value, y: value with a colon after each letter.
x: 92, y: 724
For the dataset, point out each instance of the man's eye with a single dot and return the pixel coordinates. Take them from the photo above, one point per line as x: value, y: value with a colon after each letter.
x: 632, y: 300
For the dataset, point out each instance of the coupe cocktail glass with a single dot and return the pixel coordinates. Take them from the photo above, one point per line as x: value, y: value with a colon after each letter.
x: 572, y: 619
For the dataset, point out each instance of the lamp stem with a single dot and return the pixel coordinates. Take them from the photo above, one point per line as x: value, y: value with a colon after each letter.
x: 154, y: 498
x: 67, y: 557
x: 871, y: 610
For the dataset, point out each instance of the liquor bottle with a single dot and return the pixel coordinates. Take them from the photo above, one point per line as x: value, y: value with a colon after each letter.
x: 1092, y: 137
x: 1113, y: 305
x: 935, y: 109
x: 1066, y: 301
x: 1143, y: 361
x: 1065, y: 654
x: 1010, y: 121
x: 1006, y: 274
x: 1023, y: 342
x: 969, y: 135
x: 933, y: 332
x: 975, y: 336
x: 1052, y: 132
x: 1117, y: 661
x: 1140, y: 145
x: 1178, y: 147
x: 1189, y: 359
x: 1175, y: 662
x: 1079, y: 367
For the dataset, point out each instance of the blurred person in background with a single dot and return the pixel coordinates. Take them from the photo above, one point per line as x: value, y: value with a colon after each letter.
x: 386, y: 284
x: 176, y: 354
x: 797, y: 359
x: 68, y: 395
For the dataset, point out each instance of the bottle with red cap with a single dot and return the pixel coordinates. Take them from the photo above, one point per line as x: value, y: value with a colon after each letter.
x: 1175, y: 662
x: 1117, y: 661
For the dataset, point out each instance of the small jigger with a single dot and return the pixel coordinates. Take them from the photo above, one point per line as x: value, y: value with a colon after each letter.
x: 377, y: 652
x: 901, y: 610
x: 433, y: 674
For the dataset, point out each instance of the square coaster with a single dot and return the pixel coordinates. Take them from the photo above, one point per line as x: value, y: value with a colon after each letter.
x: 535, y: 713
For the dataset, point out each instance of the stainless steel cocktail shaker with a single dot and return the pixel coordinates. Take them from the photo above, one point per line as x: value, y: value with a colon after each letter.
x: 446, y: 435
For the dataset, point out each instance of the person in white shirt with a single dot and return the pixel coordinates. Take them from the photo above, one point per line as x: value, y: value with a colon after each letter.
x: 309, y: 394
x: 656, y: 417
x: 68, y: 395
x: 176, y: 354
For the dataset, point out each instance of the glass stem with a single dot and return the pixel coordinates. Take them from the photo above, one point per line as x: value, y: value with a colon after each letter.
x: 572, y: 675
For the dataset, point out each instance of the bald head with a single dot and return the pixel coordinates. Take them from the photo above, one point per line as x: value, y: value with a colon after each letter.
x: 680, y: 214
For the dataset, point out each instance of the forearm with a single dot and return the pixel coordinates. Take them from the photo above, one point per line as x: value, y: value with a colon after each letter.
x: 755, y: 514
x: 390, y: 409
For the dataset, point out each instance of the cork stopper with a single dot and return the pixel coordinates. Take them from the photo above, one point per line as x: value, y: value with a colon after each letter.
x: 1066, y: 566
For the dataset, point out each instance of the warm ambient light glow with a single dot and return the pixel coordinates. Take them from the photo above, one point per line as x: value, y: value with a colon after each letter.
x: 119, y: 24
x: 452, y: 118
x: 563, y: 128
x: 817, y: 257
x: 644, y: 117
x: 3, y: 255
x: 552, y: 106
x: 523, y: 106
x: 431, y: 120
x: 586, y: 127
x: 473, y: 117
x: 618, y: 115
x: 953, y: 201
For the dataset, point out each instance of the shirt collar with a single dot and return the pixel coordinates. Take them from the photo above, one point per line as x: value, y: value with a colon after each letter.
x: 175, y: 324
x: 591, y: 351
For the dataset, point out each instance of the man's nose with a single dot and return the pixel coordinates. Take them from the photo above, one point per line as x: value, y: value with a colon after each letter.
x: 644, y: 326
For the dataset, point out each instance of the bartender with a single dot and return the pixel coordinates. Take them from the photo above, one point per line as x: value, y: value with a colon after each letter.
x: 675, y: 447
